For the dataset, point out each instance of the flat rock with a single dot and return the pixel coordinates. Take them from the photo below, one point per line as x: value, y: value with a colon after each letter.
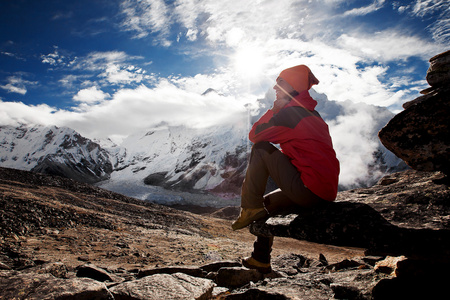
x: 45, y: 286
x: 387, y: 219
x: 189, y: 270
x: 238, y: 276
x: 164, y: 286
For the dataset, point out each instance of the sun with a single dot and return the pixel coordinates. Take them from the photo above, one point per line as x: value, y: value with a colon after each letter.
x: 248, y: 62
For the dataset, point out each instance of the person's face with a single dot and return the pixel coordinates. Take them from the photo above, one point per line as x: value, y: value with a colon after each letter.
x: 282, y: 89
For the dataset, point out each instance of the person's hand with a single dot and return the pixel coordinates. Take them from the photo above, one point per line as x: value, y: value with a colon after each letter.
x: 279, y: 104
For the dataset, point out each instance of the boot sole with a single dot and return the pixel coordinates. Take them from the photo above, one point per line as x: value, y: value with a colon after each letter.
x: 236, y: 225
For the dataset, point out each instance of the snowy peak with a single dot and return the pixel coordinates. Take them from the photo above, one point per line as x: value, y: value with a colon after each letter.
x: 53, y: 150
x: 182, y: 158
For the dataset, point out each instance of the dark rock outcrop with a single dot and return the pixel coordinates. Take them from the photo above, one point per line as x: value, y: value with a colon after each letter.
x: 420, y: 134
x: 438, y: 73
x: 384, y: 219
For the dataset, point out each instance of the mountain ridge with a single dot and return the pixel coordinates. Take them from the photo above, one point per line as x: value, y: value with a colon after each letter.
x: 169, y: 164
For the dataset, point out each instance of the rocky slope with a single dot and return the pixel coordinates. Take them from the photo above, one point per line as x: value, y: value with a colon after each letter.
x: 61, y: 238
x: 51, y: 227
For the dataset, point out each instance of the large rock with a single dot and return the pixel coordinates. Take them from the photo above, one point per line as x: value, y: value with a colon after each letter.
x: 386, y: 219
x: 420, y: 134
x: 237, y: 277
x: 94, y: 272
x: 439, y: 71
x: 45, y: 286
x: 164, y: 286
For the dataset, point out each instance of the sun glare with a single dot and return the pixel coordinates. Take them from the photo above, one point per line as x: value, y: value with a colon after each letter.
x: 248, y: 62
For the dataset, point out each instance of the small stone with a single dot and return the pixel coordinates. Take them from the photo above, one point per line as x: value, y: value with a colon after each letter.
x: 388, y: 265
x: 94, y: 272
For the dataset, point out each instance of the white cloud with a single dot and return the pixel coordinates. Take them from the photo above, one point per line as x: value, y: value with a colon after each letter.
x: 134, y: 109
x: 354, y: 140
x: 57, y: 59
x: 91, y: 95
x: 15, y: 113
x: 129, y: 110
x: 18, y: 85
x: 361, y: 11
x: 424, y: 7
x: 97, y: 61
x: 389, y: 45
x: 106, y: 69
x: 440, y: 28
x: 290, y: 32
x: 13, y: 55
x: 117, y: 74
x: 145, y: 17
x: 71, y: 81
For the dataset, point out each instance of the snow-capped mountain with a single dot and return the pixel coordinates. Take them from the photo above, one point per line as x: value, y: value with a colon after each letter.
x: 180, y: 159
x: 202, y: 166
x: 214, y: 159
x: 53, y: 150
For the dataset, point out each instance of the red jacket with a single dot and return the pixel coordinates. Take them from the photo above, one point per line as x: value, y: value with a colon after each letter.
x: 304, y: 137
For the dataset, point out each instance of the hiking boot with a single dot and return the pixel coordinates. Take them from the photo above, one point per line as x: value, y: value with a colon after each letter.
x: 251, y: 263
x: 247, y: 216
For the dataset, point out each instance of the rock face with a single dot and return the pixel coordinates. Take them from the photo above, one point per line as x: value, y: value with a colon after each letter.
x: 439, y: 72
x: 420, y: 134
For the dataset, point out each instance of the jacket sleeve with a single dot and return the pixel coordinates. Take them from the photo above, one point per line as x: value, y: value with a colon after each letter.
x: 269, y: 128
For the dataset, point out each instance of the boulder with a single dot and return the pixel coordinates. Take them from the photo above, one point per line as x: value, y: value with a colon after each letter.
x: 386, y: 219
x: 45, y: 286
x: 94, y: 272
x: 164, y: 286
x: 439, y: 71
x: 237, y: 277
x: 420, y: 134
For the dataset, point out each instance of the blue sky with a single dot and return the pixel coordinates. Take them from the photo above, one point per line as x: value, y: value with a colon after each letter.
x: 109, y: 67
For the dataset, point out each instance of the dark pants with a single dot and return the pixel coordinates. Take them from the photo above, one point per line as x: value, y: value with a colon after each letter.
x: 266, y: 160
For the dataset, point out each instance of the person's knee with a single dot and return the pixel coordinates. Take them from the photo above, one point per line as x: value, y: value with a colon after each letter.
x: 264, y: 146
